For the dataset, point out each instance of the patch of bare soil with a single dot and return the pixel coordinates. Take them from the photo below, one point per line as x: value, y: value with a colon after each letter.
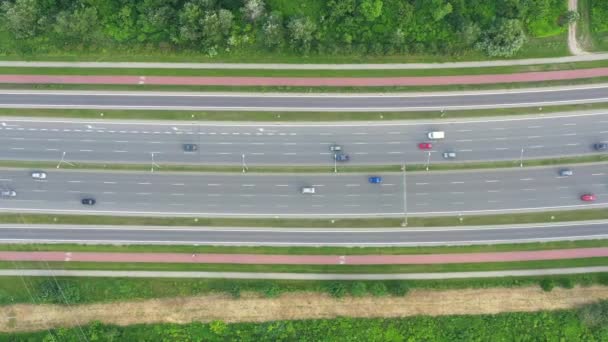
x: 253, y: 308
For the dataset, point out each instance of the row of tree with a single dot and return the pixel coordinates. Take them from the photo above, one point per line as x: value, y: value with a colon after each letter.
x: 497, y: 27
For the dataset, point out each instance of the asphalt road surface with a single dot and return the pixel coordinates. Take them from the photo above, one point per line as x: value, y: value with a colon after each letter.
x: 279, y: 195
x: 303, y: 102
x: 302, y: 237
x: 283, y: 144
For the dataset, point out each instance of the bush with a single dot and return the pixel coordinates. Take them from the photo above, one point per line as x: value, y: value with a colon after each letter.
x: 401, y: 289
x: 547, y: 284
x: 504, y: 39
x: 358, y: 289
x: 565, y: 283
x: 337, y: 289
x: 235, y: 291
x: 57, y: 291
x: 378, y: 289
x: 272, y: 290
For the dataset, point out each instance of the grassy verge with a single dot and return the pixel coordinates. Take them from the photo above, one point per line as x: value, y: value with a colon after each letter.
x: 76, y: 290
x: 300, y: 73
x: 584, y: 323
x: 595, y: 158
x: 290, y: 116
x: 440, y: 221
x: 288, y: 89
x: 343, y: 269
x: 532, y: 246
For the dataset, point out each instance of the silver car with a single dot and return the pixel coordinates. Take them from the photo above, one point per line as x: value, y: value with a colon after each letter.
x: 449, y: 155
x: 308, y: 190
x: 8, y: 193
x: 335, y: 148
x: 566, y: 172
x: 39, y: 175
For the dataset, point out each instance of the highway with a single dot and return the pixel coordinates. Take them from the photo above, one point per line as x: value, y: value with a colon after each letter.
x: 303, y: 102
x: 278, y: 195
x: 483, y: 139
x: 302, y: 237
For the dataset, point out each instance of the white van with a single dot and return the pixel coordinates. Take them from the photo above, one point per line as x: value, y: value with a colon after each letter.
x: 308, y: 190
x: 436, y: 135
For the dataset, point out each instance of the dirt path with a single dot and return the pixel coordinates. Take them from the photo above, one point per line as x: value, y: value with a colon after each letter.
x: 252, y: 308
x: 309, y: 81
x: 573, y: 44
x: 414, y: 259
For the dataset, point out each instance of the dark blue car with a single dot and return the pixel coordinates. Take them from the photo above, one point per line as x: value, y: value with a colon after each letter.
x: 375, y: 179
x: 341, y: 157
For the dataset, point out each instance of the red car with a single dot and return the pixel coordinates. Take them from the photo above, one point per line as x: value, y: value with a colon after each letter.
x: 588, y: 197
x: 425, y: 146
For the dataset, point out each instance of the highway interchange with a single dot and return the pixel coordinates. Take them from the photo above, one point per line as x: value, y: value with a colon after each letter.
x: 482, y: 139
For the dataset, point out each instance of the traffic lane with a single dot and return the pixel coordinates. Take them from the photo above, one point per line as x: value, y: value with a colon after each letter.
x: 214, y: 194
x: 297, y: 101
x: 295, y: 237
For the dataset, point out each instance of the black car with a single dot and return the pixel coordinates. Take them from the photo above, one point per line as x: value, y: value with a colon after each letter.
x: 88, y: 201
x: 600, y: 147
x: 190, y: 147
x: 341, y: 157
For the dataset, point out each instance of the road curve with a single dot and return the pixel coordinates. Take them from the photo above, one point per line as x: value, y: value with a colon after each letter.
x: 279, y: 195
x: 16, y: 233
x: 388, y: 143
x: 304, y: 102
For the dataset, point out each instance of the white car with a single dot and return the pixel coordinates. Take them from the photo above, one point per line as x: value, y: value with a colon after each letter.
x: 308, y: 190
x: 436, y: 135
x: 39, y: 175
x: 8, y: 193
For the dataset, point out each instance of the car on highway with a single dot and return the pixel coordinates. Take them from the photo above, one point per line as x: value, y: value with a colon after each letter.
x: 88, y: 201
x: 190, y: 147
x: 600, y: 146
x: 425, y: 146
x: 436, y: 135
x: 335, y: 148
x: 566, y: 172
x: 341, y: 157
x: 39, y: 175
x: 375, y: 179
x: 449, y: 155
x: 588, y: 198
x: 8, y: 193
x: 308, y: 190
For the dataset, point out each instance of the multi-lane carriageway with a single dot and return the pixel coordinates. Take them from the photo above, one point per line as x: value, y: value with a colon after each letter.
x: 297, y: 144
x: 337, y: 195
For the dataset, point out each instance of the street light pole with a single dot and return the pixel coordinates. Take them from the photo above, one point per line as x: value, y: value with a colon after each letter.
x: 428, y: 161
x: 521, y: 158
x: 335, y: 163
x: 243, y: 162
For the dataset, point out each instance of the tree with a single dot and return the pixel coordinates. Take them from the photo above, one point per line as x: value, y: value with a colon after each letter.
x: 301, y: 31
x: 253, y: 9
x: 504, y: 39
x: 371, y: 9
x: 80, y: 26
x: 570, y: 17
x: 23, y: 18
x: 272, y: 30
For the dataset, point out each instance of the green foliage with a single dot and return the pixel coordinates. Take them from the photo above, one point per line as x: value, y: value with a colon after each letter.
x: 570, y: 17
x: 504, y: 39
x: 239, y: 27
x: 401, y: 289
x: 59, y: 292
x: 235, y: 291
x: 358, y: 289
x: 547, y: 284
x: 272, y: 290
x: 337, y: 289
x: 378, y: 289
x: 565, y: 283
x: 599, y: 13
x: 585, y: 324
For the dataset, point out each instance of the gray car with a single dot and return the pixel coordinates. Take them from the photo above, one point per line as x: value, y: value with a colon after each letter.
x: 8, y: 193
x: 190, y: 147
x: 566, y: 172
x: 449, y: 155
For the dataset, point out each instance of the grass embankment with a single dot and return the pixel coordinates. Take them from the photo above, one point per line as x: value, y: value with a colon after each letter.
x: 342, y: 269
x: 291, y: 116
x: 80, y: 290
x: 533, y: 246
x: 290, y: 89
x: 586, y: 323
x: 592, y: 32
x: 464, y: 220
x: 300, y: 73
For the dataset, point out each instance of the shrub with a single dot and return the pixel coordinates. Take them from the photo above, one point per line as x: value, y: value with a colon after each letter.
x: 547, y: 284
x: 401, y: 289
x: 358, y: 289
x: 566, y: 283
x: 378, y: 289
x: 337, y: 289
x: 235, y: 291
x: 272, y: 290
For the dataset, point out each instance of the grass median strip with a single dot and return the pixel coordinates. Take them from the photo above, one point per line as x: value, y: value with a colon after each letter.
x: 291, y: 116
x: 532, y: 246
x: 368, y: 269
x: 594, y: 158
x: 301, y: 73
x: 440, y: 221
